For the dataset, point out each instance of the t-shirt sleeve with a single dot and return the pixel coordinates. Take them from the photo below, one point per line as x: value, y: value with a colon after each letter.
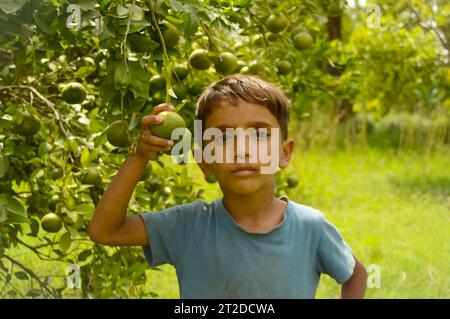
x: 335, y: 257
x: 166, y: 231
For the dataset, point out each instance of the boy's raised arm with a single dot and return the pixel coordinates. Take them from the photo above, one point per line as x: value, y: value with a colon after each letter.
x: 110, y: 225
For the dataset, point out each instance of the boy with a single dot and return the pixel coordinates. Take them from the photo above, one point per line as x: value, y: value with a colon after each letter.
x: 248, y: 244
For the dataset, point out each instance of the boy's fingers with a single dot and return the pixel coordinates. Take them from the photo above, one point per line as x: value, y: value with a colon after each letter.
x: 162, y: 107
x: 149, y: 120
x: 157, y: 141
x: 151, y: 148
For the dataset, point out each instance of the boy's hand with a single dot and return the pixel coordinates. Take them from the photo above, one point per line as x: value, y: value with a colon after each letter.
x: 149, y: 145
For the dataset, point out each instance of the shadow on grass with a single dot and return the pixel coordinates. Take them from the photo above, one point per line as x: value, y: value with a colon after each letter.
x: 438, y: 186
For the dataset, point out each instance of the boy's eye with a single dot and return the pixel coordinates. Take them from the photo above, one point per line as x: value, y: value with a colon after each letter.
x: 223, y: 138
x: 260, y: 134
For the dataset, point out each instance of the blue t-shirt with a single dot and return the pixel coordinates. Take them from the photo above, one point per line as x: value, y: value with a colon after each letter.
x: 216, y: 258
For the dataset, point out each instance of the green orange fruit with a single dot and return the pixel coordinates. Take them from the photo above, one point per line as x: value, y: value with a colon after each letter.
x: 283, y: 67
x: 29, y: 126
x: 118, y: 135
x: 277, y: 23
x: 303, y: 40
x: 171, y: 121
x: 73, y: 93
x: 292, y: 181
x: 92, y: 177
x: 171, y: 36
x: 297, y: 30
x: 226, y: 63
x: 157, y: 82
x: 179, y: 91
x: 51, y: 223
x: 210, y: 179
x: 199, y: 59
x: 180, y: 72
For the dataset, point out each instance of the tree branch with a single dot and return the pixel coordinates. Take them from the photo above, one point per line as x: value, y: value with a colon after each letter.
x: 43, y: 286
x: 167, y: 67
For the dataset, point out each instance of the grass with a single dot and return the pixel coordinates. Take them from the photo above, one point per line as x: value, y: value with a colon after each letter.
x: 392, y: 208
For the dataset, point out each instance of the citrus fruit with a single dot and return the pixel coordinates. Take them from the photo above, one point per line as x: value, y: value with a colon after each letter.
x: 30, y: 125
x: 271, y: 37
x: 92, y: 177
x: 171, y: 36
x: 292, y: 181
x: 276, y: 23
x: 297, y: 30
x: 199, y: 59
x: 283, y: 67
x: 226, y: 63
x: 303, y: 40
x: 179, y: 91
x: 171, y: 121
x: 73, y: 93
x: 118, y: 135
x: 196, y: 88
x: 180, y: 72
x: 157, y: 82
x: 51, y: 223
x: 210, y: 179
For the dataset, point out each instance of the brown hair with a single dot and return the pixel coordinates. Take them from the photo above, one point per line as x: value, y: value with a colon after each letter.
x: 250, y: 89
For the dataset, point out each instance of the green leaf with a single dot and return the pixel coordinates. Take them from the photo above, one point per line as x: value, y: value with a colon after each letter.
x: 34, y: 292
x: 87, y: 4
x: 73, y: 216
x: 122, y: 11
x: 64, y: 242
x: 139, y: 85
x: 84, y: 209
x: 4, y: 123
x: 137, y: 13
x: 15, y: 207
x: 85, y: 71
x: 11, y: 6
x: 3, y: 210
x: 84, y: 255
x: 4, y: 165
x: 190, y: 24
x: 21, y: 275
x: 84, y: 159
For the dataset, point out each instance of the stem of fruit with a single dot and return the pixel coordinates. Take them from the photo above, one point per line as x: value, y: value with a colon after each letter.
x: 167, y: 67
x: 211, y: 40
x: 122, y: 45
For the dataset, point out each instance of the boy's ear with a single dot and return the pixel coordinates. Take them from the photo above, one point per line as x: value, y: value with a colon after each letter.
x: 198, y: 156
x: 287, y: 148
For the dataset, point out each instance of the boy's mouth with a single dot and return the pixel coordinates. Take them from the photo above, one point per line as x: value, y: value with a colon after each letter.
x: 245, y: 170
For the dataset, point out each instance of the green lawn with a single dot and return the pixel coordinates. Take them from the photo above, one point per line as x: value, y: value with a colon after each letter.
x: 392, y: 209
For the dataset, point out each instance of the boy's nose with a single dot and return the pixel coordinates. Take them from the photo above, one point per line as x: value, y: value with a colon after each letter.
x: 243, y: 147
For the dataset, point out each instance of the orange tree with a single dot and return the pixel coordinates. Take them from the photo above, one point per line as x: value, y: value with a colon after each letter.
x: 77, y: 76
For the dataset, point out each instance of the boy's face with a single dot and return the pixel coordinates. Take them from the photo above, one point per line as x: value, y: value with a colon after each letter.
x: 243, y: 175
